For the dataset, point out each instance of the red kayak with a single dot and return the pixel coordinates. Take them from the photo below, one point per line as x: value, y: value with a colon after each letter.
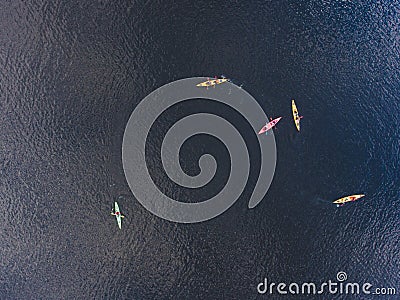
x: 269, y: 125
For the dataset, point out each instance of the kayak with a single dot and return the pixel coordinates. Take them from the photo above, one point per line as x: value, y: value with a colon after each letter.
x: 212, y: 82
x: 118, y: 214
x: 351, y: 198
x: 269, y: 125
x: 296, y: 116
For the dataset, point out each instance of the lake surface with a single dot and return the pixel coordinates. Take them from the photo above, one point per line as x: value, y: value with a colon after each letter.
x: 72, y: 73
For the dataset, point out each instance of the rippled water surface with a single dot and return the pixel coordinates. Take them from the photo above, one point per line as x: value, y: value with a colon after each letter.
x: 71, y: 73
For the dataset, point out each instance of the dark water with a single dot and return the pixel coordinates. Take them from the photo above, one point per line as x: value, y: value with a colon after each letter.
x: 72, y: 73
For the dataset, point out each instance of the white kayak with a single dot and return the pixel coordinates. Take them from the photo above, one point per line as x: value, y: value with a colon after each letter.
x: 117, y: 214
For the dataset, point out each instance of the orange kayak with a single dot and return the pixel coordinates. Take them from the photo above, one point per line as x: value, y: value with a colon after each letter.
x: 351, y: 198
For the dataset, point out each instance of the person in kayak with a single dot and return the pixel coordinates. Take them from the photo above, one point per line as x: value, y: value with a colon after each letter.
x: 117, y: 214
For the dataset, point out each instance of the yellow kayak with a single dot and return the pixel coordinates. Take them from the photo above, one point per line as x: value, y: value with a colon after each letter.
x: 212, y: 82
x: 296, y: 116
x: 351, y: 198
